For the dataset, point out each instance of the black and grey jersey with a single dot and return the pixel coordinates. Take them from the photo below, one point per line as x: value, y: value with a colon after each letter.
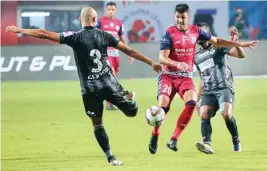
x: 90, y: 51
x: 214, y: 69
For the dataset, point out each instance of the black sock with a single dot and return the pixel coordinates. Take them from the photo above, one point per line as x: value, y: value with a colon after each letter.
x: 166, y: 109
x: 206, y: 130
x: 232, y: 127
x: 102, y: 139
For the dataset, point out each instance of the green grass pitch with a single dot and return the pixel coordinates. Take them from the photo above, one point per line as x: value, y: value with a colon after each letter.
x: 44, y: 128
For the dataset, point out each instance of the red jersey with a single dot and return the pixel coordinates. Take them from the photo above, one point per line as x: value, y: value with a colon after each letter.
x: 182, y: 44
x: 114, y: 27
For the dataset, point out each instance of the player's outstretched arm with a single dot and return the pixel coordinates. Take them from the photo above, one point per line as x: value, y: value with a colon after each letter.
x: 219, y: 42
x: 123, y: 40
x: 38, y: 33
x: 139, y: 56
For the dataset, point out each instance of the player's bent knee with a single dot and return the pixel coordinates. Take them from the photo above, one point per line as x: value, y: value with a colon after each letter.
x: 131, y: 111
x: 190, y: 95
x: 164, y: 100
x: 204, y: 115
x: 203, y: 112
x: 96, y: 121
x: 226, y: 110
x: 226, y: 115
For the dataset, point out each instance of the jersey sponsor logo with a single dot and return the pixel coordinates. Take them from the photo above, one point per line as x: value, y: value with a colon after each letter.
x: 184, y: 51
x: 178, y: 73
x: 36, y: 64
x: 113, y: 52
x: 206, y: 64
x: 106, y: 26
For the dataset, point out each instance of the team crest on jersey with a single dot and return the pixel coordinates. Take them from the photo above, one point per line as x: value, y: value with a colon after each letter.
x: 117, y: 27
x: 184, y: 39
x: 193, y: 39
x: 177, y: 42
x: 111, y: 24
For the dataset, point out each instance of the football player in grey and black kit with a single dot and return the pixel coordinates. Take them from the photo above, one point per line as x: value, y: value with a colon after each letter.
x: 216, y: 90
x: 96, y: 78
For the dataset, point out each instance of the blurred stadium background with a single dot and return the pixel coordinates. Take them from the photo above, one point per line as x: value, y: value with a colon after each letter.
x: 43, y: 123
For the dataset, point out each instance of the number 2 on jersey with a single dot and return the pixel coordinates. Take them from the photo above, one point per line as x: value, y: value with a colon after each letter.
x: 96, y: 53
x: 167, y: 89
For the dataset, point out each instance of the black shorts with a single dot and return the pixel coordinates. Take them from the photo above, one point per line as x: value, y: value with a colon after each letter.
x: 217, y: 99
x: 93, y: 101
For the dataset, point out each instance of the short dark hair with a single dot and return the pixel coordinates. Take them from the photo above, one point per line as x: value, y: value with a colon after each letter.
x: 111, y: 4
x: 181, y: 8
x: 203, y: 24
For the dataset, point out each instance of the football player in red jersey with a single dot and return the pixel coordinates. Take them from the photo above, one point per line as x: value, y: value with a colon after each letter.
x: 114, y: 26
x: 177, y: 51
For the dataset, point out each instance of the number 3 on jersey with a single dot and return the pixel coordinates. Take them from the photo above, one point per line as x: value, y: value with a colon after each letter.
x: 96, y: 53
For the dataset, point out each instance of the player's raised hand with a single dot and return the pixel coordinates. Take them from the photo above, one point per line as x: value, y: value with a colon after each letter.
x: 234, y: 34
x: 157, y: 67
x: 13, y: 29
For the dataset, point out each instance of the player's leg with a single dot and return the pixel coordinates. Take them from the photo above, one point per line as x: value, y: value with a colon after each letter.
x: 165, y: 96
x: 207, y: 109
x: 226, y: 101
x: 112, y: 63
x: 188, y: 94
x: 117, y: 96
x: 93, y: 105
x: 116, y: 69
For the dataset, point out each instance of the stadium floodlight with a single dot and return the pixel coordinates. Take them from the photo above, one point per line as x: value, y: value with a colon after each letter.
x: 35, y: 14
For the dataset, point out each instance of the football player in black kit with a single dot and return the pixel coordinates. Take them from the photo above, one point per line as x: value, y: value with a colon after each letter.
x: 216, y: 91
x: 96, y: 78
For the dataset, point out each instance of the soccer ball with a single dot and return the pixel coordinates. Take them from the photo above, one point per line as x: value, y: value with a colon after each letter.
x: 155, y: 116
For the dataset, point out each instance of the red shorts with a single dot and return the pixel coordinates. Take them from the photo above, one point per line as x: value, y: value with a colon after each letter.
x: 114, y: 63
x: 170, y: 85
